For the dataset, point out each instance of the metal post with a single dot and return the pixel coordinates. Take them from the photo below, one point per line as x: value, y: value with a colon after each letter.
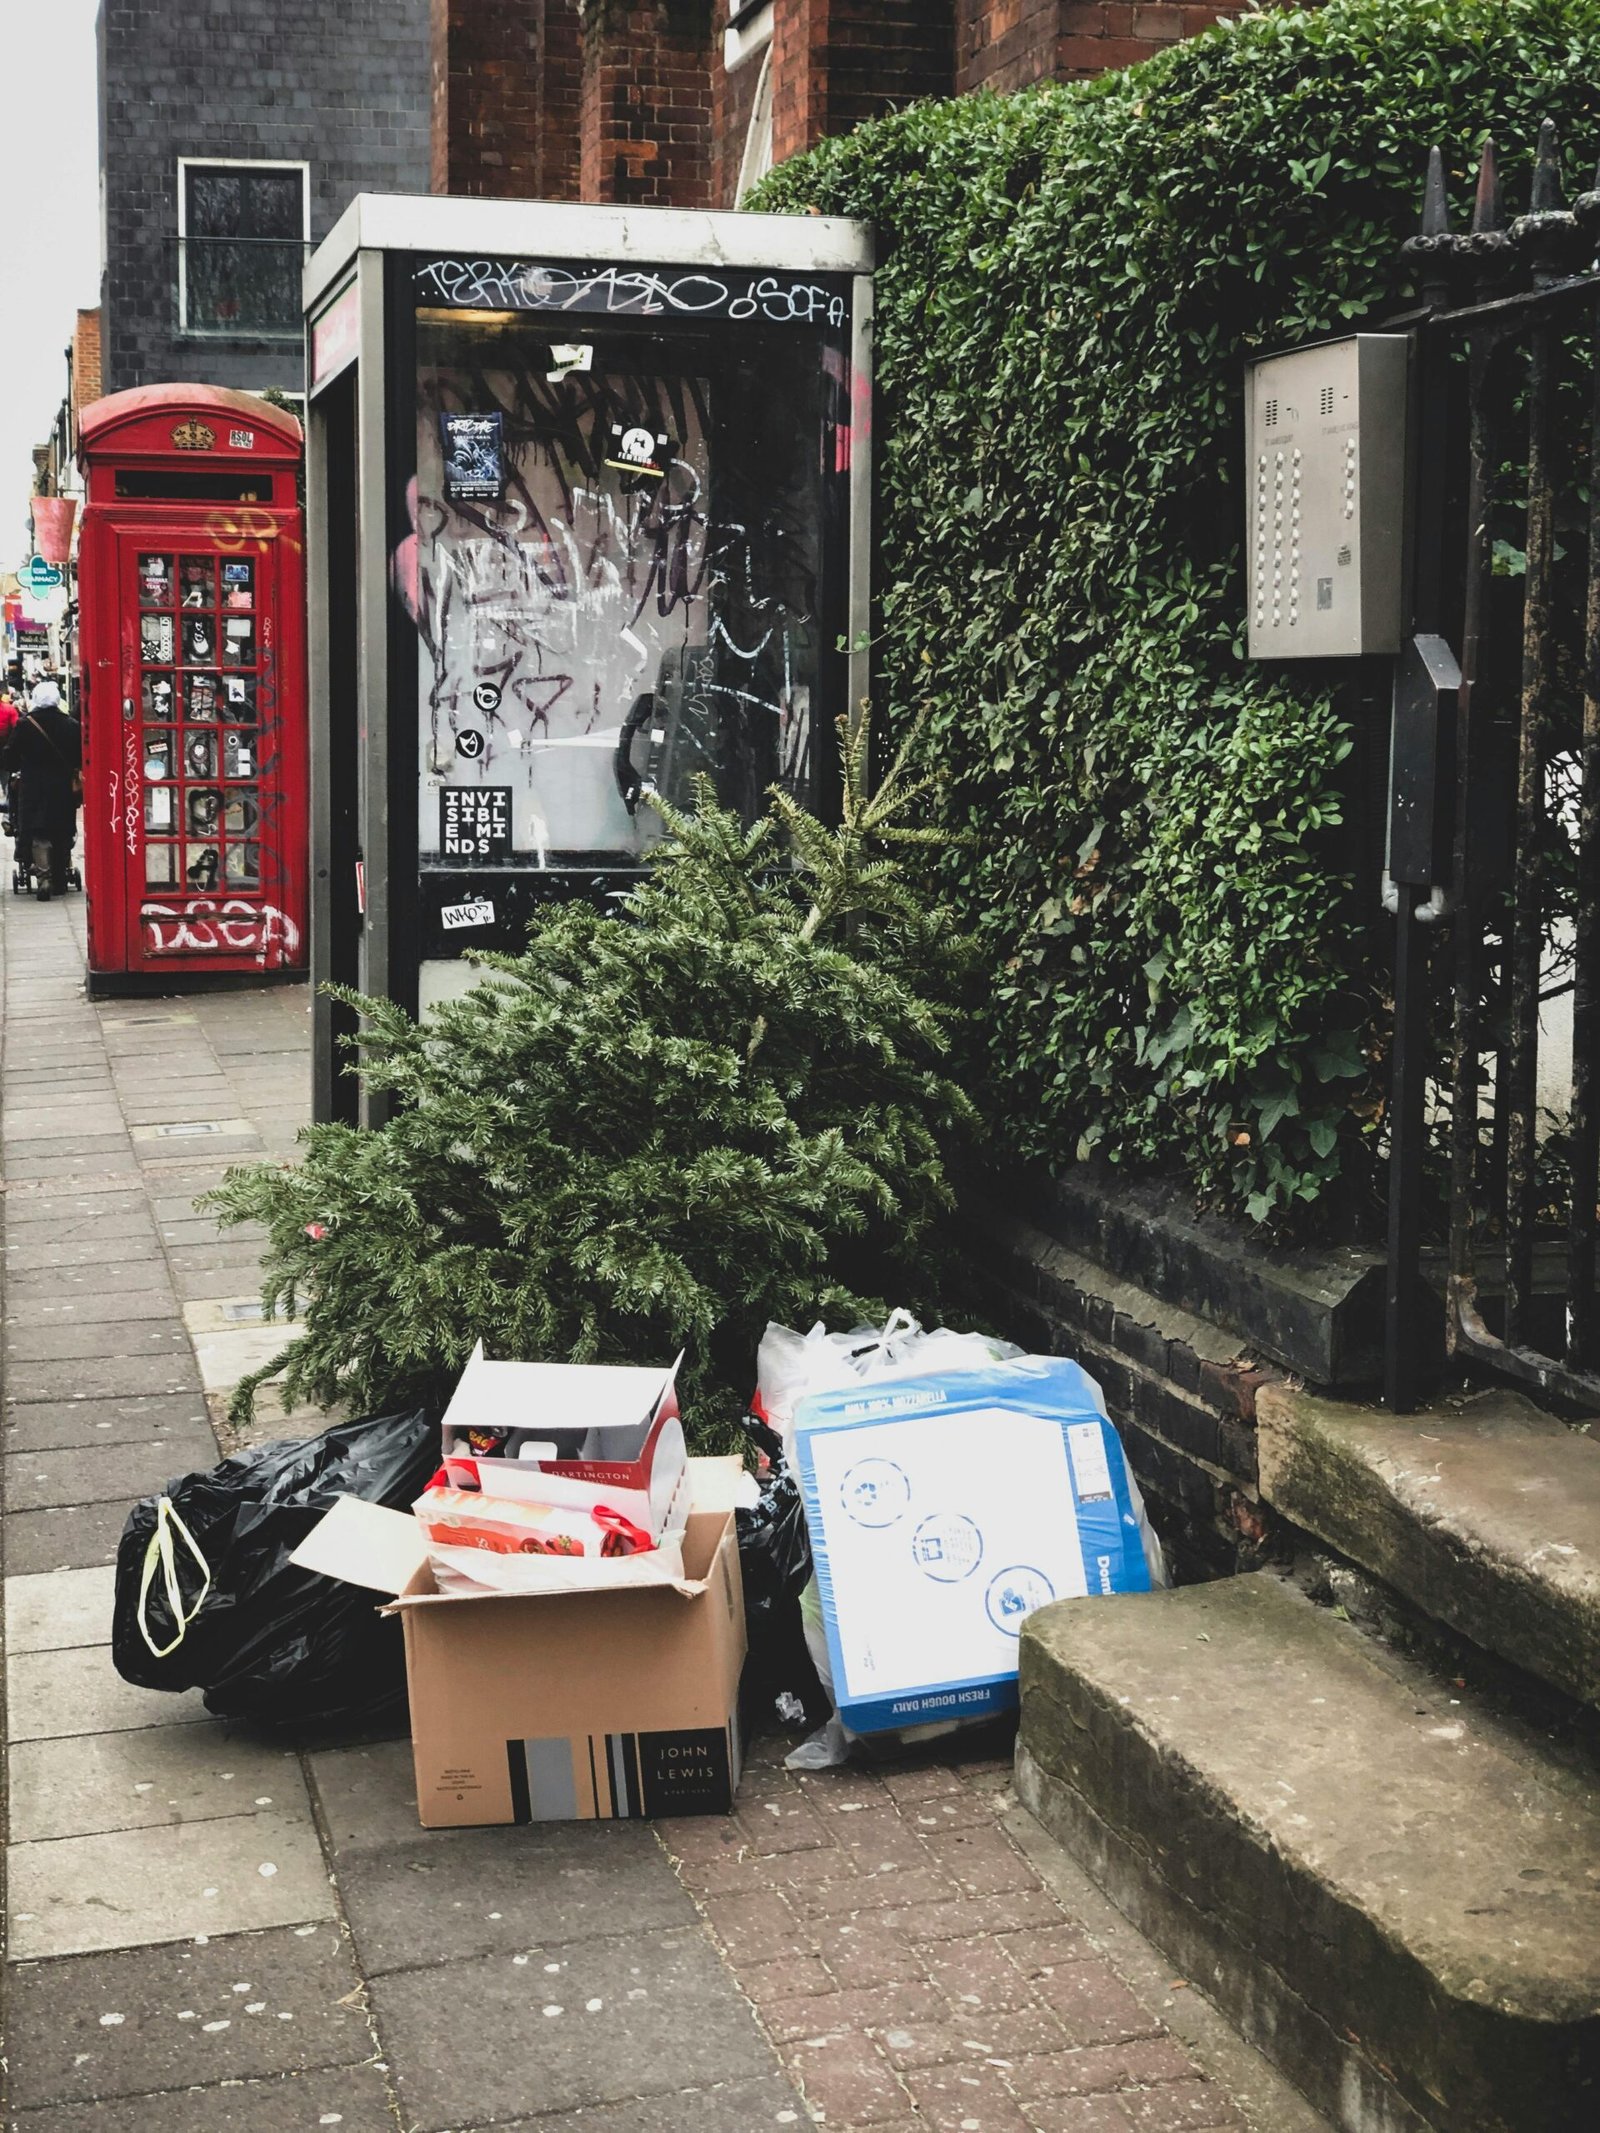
x: 1585, y: 1116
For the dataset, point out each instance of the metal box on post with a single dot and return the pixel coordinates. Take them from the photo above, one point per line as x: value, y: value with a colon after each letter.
x: 192, y: 651
x: 1325, y: 476
x: 588, y: 497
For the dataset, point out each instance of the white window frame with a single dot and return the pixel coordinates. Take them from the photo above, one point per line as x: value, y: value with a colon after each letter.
x: 188, y: 163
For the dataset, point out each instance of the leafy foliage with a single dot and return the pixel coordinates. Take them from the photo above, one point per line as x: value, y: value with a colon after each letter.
x: 1156, y: 862
x: 647, y: 1131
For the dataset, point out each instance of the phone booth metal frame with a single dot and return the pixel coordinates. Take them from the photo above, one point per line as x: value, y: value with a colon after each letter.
x: 588, y: 513
x: 191, y: 574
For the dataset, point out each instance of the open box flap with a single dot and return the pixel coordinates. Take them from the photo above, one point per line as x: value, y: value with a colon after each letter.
x: 386, y: 1551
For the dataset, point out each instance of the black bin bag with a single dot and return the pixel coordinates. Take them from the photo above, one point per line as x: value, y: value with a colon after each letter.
x: 780, y: 1685
x: 207, y: 1597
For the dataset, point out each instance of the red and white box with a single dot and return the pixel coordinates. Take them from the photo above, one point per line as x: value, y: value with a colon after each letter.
x: 579, y: 1435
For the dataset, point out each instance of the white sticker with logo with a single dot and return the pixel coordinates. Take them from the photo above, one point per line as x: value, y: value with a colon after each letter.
x: 480, y: 912
x: 242, y: 440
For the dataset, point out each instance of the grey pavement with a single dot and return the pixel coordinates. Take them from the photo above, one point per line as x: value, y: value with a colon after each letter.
x: 211, y: 1931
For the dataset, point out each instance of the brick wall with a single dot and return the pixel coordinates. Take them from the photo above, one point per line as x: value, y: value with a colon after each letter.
x: 341, y: 85
x: 1181, y: 1391
x: 646, y: 102
x: 837, y: 62
x: 505, y: 98
x: 1006, y: 44
x: 86, y: 385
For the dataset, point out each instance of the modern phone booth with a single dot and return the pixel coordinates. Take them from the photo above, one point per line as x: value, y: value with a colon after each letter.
x: 191, y: 574
x: 588, y: 504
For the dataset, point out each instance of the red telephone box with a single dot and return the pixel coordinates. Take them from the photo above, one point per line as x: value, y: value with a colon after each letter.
x: 191, y: 586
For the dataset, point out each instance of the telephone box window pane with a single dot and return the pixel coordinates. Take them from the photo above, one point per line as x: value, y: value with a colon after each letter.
x: 239, y: 700
x: 155, y: 581
x: 238, y: 755
x: 205, y: 810
x: 158, y: 808
x: 200, y: 755
x: 157, y: 756
x: 242, y: 813
x: 238, y: 583
x: 195, y: 577
x: 161, y: 866
x: 668, y: 621
x: 158, y: 696
x: 202, y: 865
x: 155, y: 640
x: 244, y: 865
x: 200, y: 698
x: 199, y: 640
x: 238, y: 641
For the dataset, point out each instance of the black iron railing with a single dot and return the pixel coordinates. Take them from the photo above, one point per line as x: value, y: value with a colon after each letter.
x: 244, y: 287
x: 1492, y: 973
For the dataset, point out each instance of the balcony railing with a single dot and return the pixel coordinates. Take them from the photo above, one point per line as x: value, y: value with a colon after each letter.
x: 240, y: 288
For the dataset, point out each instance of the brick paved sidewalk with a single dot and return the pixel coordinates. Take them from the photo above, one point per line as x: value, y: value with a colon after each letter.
x: 914, y: 1970
x: 216, y: 1933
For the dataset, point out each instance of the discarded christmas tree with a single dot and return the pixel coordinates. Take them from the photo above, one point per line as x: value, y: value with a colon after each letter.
x: 647, y: 1131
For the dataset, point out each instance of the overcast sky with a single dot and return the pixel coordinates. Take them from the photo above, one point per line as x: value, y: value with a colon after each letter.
x: 50, y: 232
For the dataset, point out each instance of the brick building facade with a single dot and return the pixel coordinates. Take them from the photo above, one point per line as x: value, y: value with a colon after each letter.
x: 683, y: 102
x: 229, y: 139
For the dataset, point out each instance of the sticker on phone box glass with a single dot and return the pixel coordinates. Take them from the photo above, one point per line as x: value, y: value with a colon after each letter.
x: 474, y: 458
x: 475, y: 821
x: 453, y: 917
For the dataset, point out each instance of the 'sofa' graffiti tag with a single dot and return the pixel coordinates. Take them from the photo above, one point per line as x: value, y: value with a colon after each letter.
x: 230, y: 928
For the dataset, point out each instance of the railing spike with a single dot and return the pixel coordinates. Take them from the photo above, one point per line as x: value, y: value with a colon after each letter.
x: 1546, y: 198
x: 1486, y: 215
x: 1435, y: 200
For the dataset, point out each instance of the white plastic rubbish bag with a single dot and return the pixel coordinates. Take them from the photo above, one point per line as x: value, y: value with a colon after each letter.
x: 790, y: 1365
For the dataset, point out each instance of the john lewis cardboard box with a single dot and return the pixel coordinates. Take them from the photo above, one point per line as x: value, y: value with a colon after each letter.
x: 584, y: 1702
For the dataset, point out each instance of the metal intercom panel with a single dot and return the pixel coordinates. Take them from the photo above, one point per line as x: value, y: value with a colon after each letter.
x: 1325, y: 440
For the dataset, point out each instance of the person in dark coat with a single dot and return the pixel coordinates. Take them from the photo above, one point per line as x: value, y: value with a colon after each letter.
x: 43, y: 753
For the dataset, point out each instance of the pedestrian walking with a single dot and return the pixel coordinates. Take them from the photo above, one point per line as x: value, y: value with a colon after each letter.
x: 43, y: 756
x: 10, y: 712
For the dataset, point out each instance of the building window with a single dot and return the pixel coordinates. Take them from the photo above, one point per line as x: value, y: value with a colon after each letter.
x: 243, y: 231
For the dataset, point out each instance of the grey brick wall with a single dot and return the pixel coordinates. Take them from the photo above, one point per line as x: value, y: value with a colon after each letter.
x: 340, y: 84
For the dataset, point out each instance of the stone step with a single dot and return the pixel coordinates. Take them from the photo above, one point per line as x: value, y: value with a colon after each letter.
x: 1393, y: 1895
x: 1484, y: 1512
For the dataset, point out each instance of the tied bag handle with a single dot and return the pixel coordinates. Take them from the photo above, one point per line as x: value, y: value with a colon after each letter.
x: 160, y: 1551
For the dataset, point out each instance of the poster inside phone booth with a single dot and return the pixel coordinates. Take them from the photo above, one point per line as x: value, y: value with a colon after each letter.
x: 589, y: 509
x: 192, y: 648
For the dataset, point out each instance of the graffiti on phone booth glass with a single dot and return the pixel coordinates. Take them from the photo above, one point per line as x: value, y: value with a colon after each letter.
x: 233, y: 927
x: 636, y: 607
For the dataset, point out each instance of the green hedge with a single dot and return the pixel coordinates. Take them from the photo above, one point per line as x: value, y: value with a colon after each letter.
x: 1070, y: 281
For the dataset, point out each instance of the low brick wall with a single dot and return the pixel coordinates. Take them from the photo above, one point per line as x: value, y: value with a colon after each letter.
x: 1182, y: 1392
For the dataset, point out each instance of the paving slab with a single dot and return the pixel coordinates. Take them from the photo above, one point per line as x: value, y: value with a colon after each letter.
x: 145, y: 1297
x: 80, y: 1895
x: 470, y: 1892
x: 112, y: 1163
x: 641, y: 2015
x: 44, y: 1249
x: 50, y: 1695
x: 102, y: 1377
x: 105, y: 1473
x: 76, y: 1214
x: 736, y: 2107
x: 58, y: 1425
x: 87, y: 1784
x: 59, y: 1610
x: 87, y: 1339
x: 227, y: 1354
x: 72, y: 1539
x: 352, y: 2099
x: 189, y: 2015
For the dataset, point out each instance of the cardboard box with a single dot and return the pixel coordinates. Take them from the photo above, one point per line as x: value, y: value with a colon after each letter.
x: 942, y: 1511
x: 581, y: 1434
x: 574, y: 1704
